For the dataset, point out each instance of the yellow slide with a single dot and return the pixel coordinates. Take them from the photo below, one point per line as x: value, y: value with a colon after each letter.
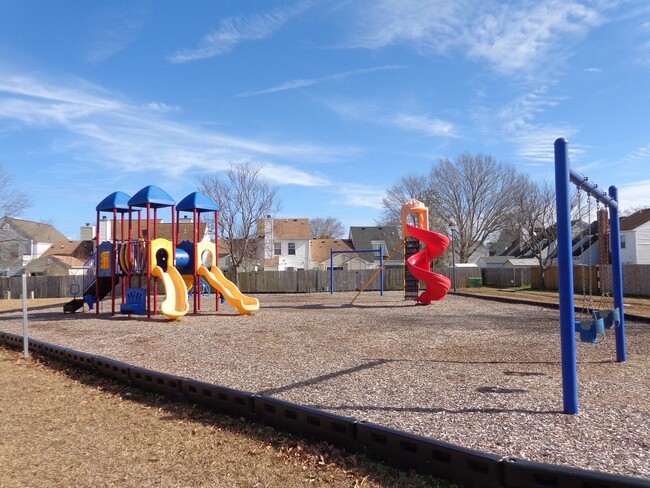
x: 244, y: 304
x: 175, y: 304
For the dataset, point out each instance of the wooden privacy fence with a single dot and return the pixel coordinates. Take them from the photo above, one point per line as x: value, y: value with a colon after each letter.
x: 636, y: 280
x: 310, y: 281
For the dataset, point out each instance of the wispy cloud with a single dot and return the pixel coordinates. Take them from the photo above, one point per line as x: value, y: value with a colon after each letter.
x: 511, y: 38
x: 113, y: 31
x: 361, y: 195
x: 305, y: 82
x: 641, y: 154
x: 423, y: 124
x: 283, y: 175
x: 234, y: 30
x: 95, y: 126
x: 635, y: 194
x: 533, y: 140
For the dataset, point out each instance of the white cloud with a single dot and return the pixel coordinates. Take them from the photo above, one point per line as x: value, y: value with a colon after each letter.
x: 422, y: 124
x: 162, y: 107
x: 361, y: 195
x: 634, y: 195
x: 513, y: 40
x: 533, y: 140
x: 641, y: 154
x: 425, y: 125
x: 112, y: 31
x: 301, y: 83
x: 511, y: 37
x: 235, y: 30
x: 287, y: 175
x: 98, y: 128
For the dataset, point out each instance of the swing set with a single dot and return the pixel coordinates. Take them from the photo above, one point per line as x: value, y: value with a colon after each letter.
x: 595, y: 325
x: 593, y: 321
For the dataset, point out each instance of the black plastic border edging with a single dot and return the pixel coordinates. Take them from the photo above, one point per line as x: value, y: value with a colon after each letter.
x: 154, y: 381
x: 114, y: 369
x: 427, y: 456
x: 308, y: 422
x: 220, y: 398
x: 529, y: 474
x: 457, y: 464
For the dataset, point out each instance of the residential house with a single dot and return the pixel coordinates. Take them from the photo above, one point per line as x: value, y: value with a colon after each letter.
x: 22, y: 241
x: 635, y: 238
x: 63, y: 258
x: 285, y: 244
x: 321, y: 255
x: 372, y: 238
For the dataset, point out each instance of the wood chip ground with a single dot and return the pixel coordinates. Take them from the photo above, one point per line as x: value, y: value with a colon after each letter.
x: 480, y: 374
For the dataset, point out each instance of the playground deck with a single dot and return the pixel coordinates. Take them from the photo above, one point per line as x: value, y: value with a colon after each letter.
x: 476, y: 373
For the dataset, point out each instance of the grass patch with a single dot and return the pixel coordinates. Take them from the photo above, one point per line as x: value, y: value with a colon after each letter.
x: 67, y: 427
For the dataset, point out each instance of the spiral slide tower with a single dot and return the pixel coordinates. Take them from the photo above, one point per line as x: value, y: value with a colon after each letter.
x: 420, y: 264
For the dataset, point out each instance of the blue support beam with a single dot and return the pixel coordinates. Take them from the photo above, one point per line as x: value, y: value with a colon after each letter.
x: 563, y: 176
x: 565, y: 268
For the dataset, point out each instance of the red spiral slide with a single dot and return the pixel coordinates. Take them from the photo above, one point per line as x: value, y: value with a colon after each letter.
x: 420, y: 264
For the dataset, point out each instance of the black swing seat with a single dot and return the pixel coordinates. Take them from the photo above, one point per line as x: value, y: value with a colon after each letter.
x: 593, y: 331
x: 612, y: 319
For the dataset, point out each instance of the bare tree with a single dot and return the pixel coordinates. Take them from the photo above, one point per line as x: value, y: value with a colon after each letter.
x: 534, y: 218
x: 244, y: 199
x: 12, y: 200
x: 409, y: 187
x: 475, y: 194
x: 326, y: 228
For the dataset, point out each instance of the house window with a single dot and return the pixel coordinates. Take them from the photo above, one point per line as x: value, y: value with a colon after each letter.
x: 622, y: 241
x: 277, y: 248
x: 292, y: 249
x: 376, y: 244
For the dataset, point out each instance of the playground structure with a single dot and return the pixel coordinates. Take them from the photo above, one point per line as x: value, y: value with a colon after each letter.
x: 418, y: 262
x: 181, y: 267
x: 615, y: 318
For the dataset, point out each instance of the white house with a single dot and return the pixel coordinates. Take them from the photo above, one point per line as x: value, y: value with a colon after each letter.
x: 22, y: 241
x: 286, y: 244
x: 635, y: 238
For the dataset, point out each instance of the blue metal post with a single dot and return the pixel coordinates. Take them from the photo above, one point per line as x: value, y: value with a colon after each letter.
x: 617, y: 274
x: 331, y: 271
x: 381, y: 271
x: 565, y: 266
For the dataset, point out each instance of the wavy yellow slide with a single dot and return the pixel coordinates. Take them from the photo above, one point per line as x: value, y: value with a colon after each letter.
x: 244, y: 304
x: 175, y: 304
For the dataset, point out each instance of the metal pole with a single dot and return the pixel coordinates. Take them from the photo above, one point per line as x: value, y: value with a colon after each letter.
x: 453, y: 259
x: 381, y: 271
x: 617, y: 274
x: 331, y: 271
x: 565, y: 267
x: 25, y: 324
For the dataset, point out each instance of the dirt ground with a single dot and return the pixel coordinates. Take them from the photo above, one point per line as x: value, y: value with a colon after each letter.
x: 62, y: 427
x: 477, y: 373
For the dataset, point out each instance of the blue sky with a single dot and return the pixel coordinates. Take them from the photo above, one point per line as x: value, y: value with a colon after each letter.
x: 338, y: 99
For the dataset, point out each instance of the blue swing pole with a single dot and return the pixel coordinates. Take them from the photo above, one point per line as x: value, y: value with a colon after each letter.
x: 565, y: 268
x: 617, y: 275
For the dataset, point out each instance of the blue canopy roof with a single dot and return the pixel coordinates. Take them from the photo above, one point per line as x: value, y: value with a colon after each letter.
x: 197, y: 201
x: 115, y: 201
x: 152, y: 195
